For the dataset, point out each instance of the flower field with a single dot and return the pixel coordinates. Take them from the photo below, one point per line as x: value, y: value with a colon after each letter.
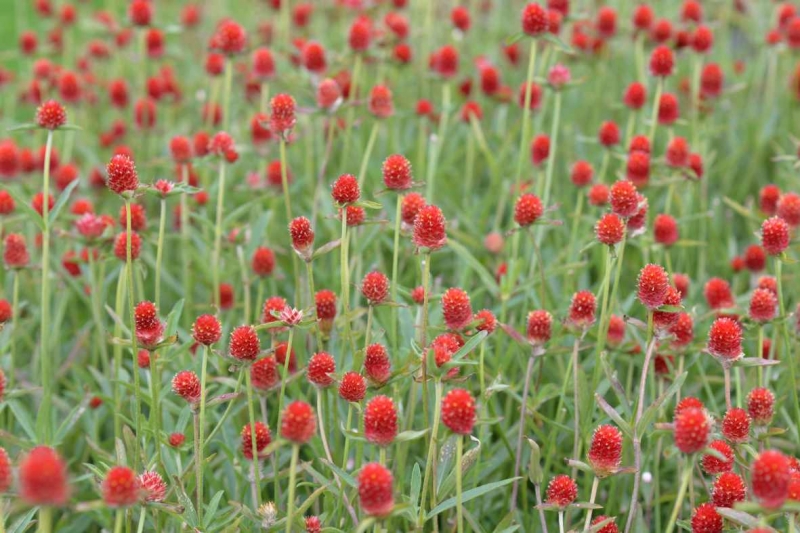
x: 400, y: 265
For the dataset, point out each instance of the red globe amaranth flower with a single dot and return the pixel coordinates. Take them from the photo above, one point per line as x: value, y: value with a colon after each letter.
x: 176, y: 440
x: 755, y: 258
x: 540, y: 325
x: 380, y: 102
x: 581, y: 173
x: 775, y: 235
x: 763, y: 305
x: 380, y: 421
x: 725, y: 339
x: 15, y: 251
x: 121, y: 487
x: 535, y: 95
x: 540, y: 149
x: 789, y: 205
x: 273, y: 306
x: 264, y: 373
x: 51, y: 115
x: 528, y: 209
x: 610, y: 527
x: 444, y: 61
x: 263, y: 64
x: 458, y: 411
x: 635, y: 96
x: 320, y: 367
x: 714, y: 465
x: 736, y: 425
x: 608, y: 135
x: 728, y: 489
x: 313, y: 524
x: 360, y: 34
x: 535, y: 21
x: 411, y: 205
x: 770, y: 476
x: 140, y: 12
x: 282, y: 117
x: 263, y: 439
x: 375, y: 492
x: 624, y: 198
x: 610, y: 229
x: 38, y: 203
x: 760, y: 406
x: 665, y: 230
x: 313, y: 57
x: 677, y: 155
x: 263, y: 262
x: 122, y: 176
x: 377, y: 365
x: 456, y: 308
x: 206, y: 330
x: 718, y: 294
x: 429, y: 228
x: 711, y: 81
x: 561, y: 491
x: 302, y: 235
x: 280, y: 356
x: 121, y: 246
x: 486, y: 321
x: 230, y: 38
x: 616, y: 330
x: 138, y: 217
x: 5, y: 315
x: 298, y: 423
x: 768, y: 199
x: 683, y: 329
x: 706, y: 519
x: 397, y: 172
x: 353, y: 387
x: 582, y: 309
x: 653, y: 284
x: 226, y: 296
x: 668, y: 109
x: 186, y: 385
x: 768, y: 282
x: 662, y: 61
x: 471, y: 110
x: 153, y: 486
x: 375, y: 287
x: 664, y: 320
x: 605, y: 451
x: 692, y: 428
x: 687, y: 403
x: 42, y: 476
x: 345, y: 190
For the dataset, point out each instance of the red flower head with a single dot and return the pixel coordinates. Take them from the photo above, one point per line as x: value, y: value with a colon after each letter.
x: 486, y: 321
x: 653, y: 286
x: 264, y: 373
x: 540, y: 325
x: 272, y: 306
x: 121, y: 487
x: 325, y: 301
x: 611, y: 527
x: 599, y: 194
x: 15, y: 251
x: 42, y: 475
x: 328, y: 94
x: 540, y: 149
x: 665, y: 230
x: 728, y: 489
x: 263, y: 64
x: 471, y: 110
x: 397, y: 172
x: 320, y: 367
x: 5, y: 316
x: 380, y: 421
x: 662, y: 61
x: 445, y: 61
x: 535, y: 21
x: 51, y: 115
x: 610, y: 229
x: 121, y: 243
x: 313, y: 524
x: 770, y: 476
x: 244, y: 343
x: 140, y: 12
x: 429, y: 228
x: 692, y: 427
x: 375, y: 491
x: 666, y: 319
x: 668, y: 109
x: 582, y: 309
x: 360, y: 34
x: 206, y: 330
x: 755, y: 258
x: 377, y: 365
x: 527, y: 209
x: 718, y: 294
x: 768, y: 282
x: 581, y: 174
x: 736, y: 425
x: 313, y: 57
x: 375, y: 287
x: 687, y: 403
x: 760, y: 406
x: 711, y: 80
x: 282, y: 118
x: 38, y: 203
x: 302, y: 235
x: 186, y: 385
x: 345, y: 190
x: 145, y: 113
x: 536, y: 95
x: 298, y: 423
x: 775, y: 235
x: 138, y: 217
x: 380, y: 102
x: 458, y: 411
x: 353, y: 387
x: 706, y: 519
x: 608, y: 134
x: 725, y: 339
x: 561, y: 491
x: 122, y: 175
x: 230, y: 38
x: 456, y: 308
x: 459, y: 16
x: 763, y: 305
x: 176, y: 440
x: 616, y: 330
x: 181, y: 149
x: 263, y: 261
x: 263, y: 439
x: 714, y: 465
x: 411, y: 206
x: 222, y: 145
x: 153, y: 486
x: 624, y: 198
x: 605, y: 451
x: 635, y: 96
x: 677, y: 152
x: 768, y: 199
x: 226, y: 296
x: 703, y: 39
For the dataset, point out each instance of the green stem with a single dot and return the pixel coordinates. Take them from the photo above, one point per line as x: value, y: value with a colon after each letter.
x: 142, y: 519
x: 155, y: 411
x: 685, y: 479
x: 134, y: 343
x: 654, y: 116
x: 347, y: 425
x: 46, y: 519
x: 344, y: 270
x: 227, y: 411
x: 526, y: 113
x: 395, y: 262
x: 162, y: 225
x: 218, y: 233
x: 368, y: 152
x: 252, y: 419
x: 14, y: 325
x: 438, y: 143
x: 459, y: 505
x: 548, y: 180
x: 44, y: 331
x: 351, y: 111
x: 119, y: 302
x: 311, y: 293
x: 602, y: 332
x: 431, y: 454
x: 292, y: 479
x: 185, y: 248
x: 201, y: 432
x: 426, y: 275
x: 790, y: 359
x: 592, y: 496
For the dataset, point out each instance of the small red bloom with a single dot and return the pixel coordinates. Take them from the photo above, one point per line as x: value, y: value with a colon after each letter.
x: 320, y: 367
x: 605, y: 451
x: 380, y: 102
x: 736, y: 425
x: 263, y: 439
x: 410, y: 207
x: 714, y: 465
x: 789, y: 206
x: 122, y: 175
x: 763, y: 305
x: 664, y: 320
x: 380, y: 421
x: 687, y: 403
x: 653, y: 286
x: 770, y: 476
x: 186, y: 385
x: 768, y: 199
x: 230, y: 38
x: 429, y: 228
x: 692, y: 428
x: 611, y: 527
x: 375, y: 287
x: 42, y: 475
x: 718, y: 294
x: 703, y: 39
x: 665, y: 230
x: 353, y: 387
x: 725, y: 339
x: 706, y: 519
x: 313, y: 524
x: 582, y: 309
x: 599, y: 194
x: 760, y: 406
x: 635, y: 96
x: 624, y: 198
x: 282, y: 119
x: 486, y: 321
x: 456, y: 308
x: 535, y: 21
x: 377, y: 364
x: 345, y: 190
x: 683, y: 330
x: 244, y: 343
x: 176, y: 440
x: 206, y: 330
x: 608, y: 134
x: 728, y: 489
x: 561, y: 491
x: 540, y: 149
x: 121, y: 243
x: 668, y: 109
x: 375, y: 491
x: 540, y: 324
x: 458, y: 411
x: 581, y: 173
x: 121, y: 487
x: 51, y: 115
x: 153, y: 486
x: 360, y: 35
x: 15, y: 251
x: 397, y: 172
x: 302, y: 234
x: 263, y: 261
x: 528, y: 209
x: 755, y: 258
x: 535, y: 95
x: 264, y: 373
x: 298, y: 423
x: 662, y: 61
x: 610, y: 229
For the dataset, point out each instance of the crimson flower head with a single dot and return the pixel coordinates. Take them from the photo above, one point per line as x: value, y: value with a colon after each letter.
x: 264, y: 373
x: 153, y: 486
x: 328, y: 94
x: 692, y: 427
x: 456, y: 308
x: 605, y: 451
x: 677, y: 155
x: 263, y: 64
x: 664, y: 320
x: 703, y: 39
x: 616, y: 330
x: 728, y: 489
x: 360, y: 34
x: 15, y: 251
x: 460, y: 18
x: 486, y: 321
x: 581, y: 173
x: 298, y: 423
x: 353, y: 387
x: 320, y: 367
x: 313, y: 524
x: 736, y: 425
x: 688, y: 403
x: 51, y: 115
x: 375, y: 492
x: 206, y: 330
x: 380, y: 102
x: 527, y: 209
x: 610, y: 229
x: 662, y: 61
x: 244, y: 344
x: 230, y: 38
x: 302, y: 235
x: 181, y: 149
x: 345, y: 190
x: 445, y: 61
x: 561, y: 491
x: 149, y: 329
x: 263, y: 261
x: 282, y: 117
x: 540, y: 149
x: 42, y: 475
x: 397, y: 172
x: 770, y: 476
x: 121, y: 487
x: 535, y: 21
x: 140, y: 12
x: 624, y: 198
x: 768, y: 198
x: 755, y: 258
x: 760, y: 406
x: 540, y: 325
x: 763, y: 305
x: 377, y: 365
x: 635, y: 96
x: 176, y: 440
x: 380, y: 421
x: 263, y: 439
x: 714, y: 465
x: 725, y: 339
x: 186, y: 385
x: 718, y: 294
x: 609, y: 134
x: 610, y: 527
x: 665, y: 229
x: 458, y: 411
x: 706, y: 519
x: 375, y: 287
x: 429, y: 228
x: 121, y: 246
x: 653, y: 286
x: 314, y: 57
x: 122, y: 176
x: 411, y: 205
x: 325, y: 301
x: 582, y: 309
x: 775, y: 235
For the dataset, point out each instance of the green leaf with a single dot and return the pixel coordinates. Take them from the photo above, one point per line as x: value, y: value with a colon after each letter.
x: 740, y: 517
x: 650, y: 413
x: 24, y: 419
x: 486, y: 277
x: 535, y: 473
x: 173, y: 318
x: 189, y: 514
x: 62, y: 199
x: 24, y: 521
x: 347, y: 478
x: 613, y: 415
x: 70, y: 421
x: 24, y: 126
x: 468, y: 496
x: 470, y: 345
x: 416, y: 485
x: 409, y: 435
x: 211, y: 508
x: 369, y: 205
x: 25, y: 206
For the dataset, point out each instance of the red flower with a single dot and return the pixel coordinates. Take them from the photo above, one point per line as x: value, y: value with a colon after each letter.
x: 635, y: 96
x: 714, y: 465
x: 582, y: 309
x: 718, y: 294
x: 527, y: 209
x: 688, y: 403
x: 725, y: 339
x: 535, y: 97
x: 263, y: 261
x: 314, y: 57
x: 703, y: 39
x: 380, y: 102
x: 263, y: 64
x: 302, y: 234
x: 540, y: 149
x: 377, y: 365
x: 458, y: 411
x: 768, y: 198
x: 206, y: 330
x: 683, y: 330
x: 610, y: 229
x: 706, y: 519
x: 140, y: 12
x: 263, y: 439
x: 624, y: 198
x: 264, y: 373
x: 755, y: 258
x: 345, y: 190
x: 121, y: 246
x: 540, y: 325
x: 711, y: 80
x: 42, y: 475
x: 535, y: 21
x: 763, y: 305
x: 328, y: 94
x: 353, y: 387
x: 599, y: 194
x: 760, y: 405
x: 429, y: 228
x: 728, y: 489
x: 282, y: 119
x: 313, y: 524
x: 665, y: 230
x: 230, y: 38
x: 736, y: 425
x: 122, y: 175
x: 677, y: 152
x: 153, y: 486
x: 605, y: 451
x: 662, y: 61
x: 667, y: 319
x: 15, y: 251
x: 298, y: 423
x: 176, y: 440
x: 226, y: 296
x: 692, y: 428
x: 561, y: 491
x: 770, y: 476
x: 456, y: 308
x: 611, y: 527
x: 51, y: 115
x: 616, y: 330
x: 320, y: 367
x: 186, y: 385
x: 668, y: 109
x: 445, y: 61
x: 375, y: 287
x: 581, y: 173
x: 397, y: 172
x: 121, y: 487
x: 244, y: 343
x: 608, y: 134
x: 375, y: 491
x: 410, y: 207
x: 653, y: 286
x: 380, y: 421
x: 360, y: 34
x: 775, y: 235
